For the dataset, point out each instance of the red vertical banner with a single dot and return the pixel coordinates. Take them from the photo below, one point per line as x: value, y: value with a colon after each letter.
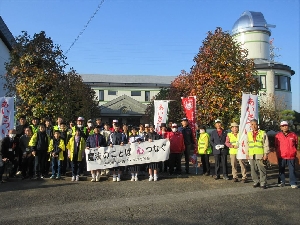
x: 189, y: 106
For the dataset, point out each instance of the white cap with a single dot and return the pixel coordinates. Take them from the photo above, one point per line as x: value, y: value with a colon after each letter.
x: 115, y: 121
x: 284, y: 123
x: 80, y: 118
x: 174, y: 125
x: 146, y: 125
x: 218, y: 121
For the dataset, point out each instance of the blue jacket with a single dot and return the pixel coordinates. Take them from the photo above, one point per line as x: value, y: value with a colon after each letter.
x: 95, y: 140
x: 215, y: 139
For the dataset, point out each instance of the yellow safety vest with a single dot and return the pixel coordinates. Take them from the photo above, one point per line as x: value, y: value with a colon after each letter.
x: 258, y: 146
x: 203, y: 144
x: 233, y: 140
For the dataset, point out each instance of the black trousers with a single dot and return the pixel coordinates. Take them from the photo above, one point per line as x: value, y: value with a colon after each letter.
x: 188, y: 149
x: 205, y: 163
x: 221, y: 159
x: 64, y: 163
x: 27, y: 165
x: 175, y: 159
x: 40, y: 163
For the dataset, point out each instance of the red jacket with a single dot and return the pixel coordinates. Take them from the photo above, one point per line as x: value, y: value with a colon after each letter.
x: 286, y: 146
x: 176, y: 142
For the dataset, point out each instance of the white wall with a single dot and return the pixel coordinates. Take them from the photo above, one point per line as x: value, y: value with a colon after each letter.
x: 4, y: 57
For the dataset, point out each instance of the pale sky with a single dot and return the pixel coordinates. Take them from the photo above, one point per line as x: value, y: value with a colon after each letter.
x: 148, y: 37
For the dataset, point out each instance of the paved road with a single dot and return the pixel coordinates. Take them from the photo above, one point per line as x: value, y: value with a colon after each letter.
x: 192, y: 199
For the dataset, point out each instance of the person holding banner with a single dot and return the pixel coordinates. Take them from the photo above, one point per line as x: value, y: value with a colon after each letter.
x: 163, y: 134
x: 204, y: 150
x: 152, y: 167
x: 189, y: 142
x: 95, y: 140
x: 286, y: 143
x: 257, y: 150
x: 134, y: 169
x: 232, y: 143
x: 177, y: 147
x: 220, y: 150
x: 116, y: 138
x: 106, y: 134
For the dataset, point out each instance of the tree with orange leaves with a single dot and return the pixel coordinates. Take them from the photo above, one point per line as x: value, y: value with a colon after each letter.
x: 222, y: 72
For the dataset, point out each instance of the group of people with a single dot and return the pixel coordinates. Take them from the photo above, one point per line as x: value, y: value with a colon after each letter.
x: 220, y: 143
x: 30, y: 150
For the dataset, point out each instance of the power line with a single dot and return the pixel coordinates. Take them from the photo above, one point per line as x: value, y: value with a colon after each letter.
x: 84, y: 28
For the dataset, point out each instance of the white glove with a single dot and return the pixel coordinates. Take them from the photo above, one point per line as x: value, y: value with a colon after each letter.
x: 217, y: 147
x: 221, y: 146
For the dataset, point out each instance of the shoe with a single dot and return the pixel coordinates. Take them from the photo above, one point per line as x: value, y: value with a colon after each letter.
x: 132, y: 179
x: 294, y: 186
x: 256, y: 185
x: 155, y: 178
x: 216, y: 177
x: 77, y: 178
x: 19, y: 172
x: 225, y: 178
x: 150, y: 178
x: 206, y: 174
x: 281, y: 185
x: 98, y: 178
x: 57, y: 177
x: 73, y: 178
x: 263, y: 187
x: 235, y: 180
x: 136, y: 178
x: 93, y: 180
x: 114, y: 179
x: 244, y: 180
x: 52, y: 177
x: 118, y: 179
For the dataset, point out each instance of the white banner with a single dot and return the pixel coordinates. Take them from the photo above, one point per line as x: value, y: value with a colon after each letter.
x: 130, y: 154
x: 6, y: 115
x: 160, y: 113
x: 249, y: 112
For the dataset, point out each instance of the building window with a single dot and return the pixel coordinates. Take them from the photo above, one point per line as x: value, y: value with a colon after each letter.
x: 289, y: 84
x: 147, y: 96
x: 135, y: 93
x: 283, y: 83
x: 101, y: 95
x: 262, y: 82
x: 112, y: 92
x: 277, y: 82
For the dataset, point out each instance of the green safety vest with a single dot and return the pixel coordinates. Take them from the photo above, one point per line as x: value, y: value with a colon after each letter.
x: 258, y: 146
x: 233, y: 140
x: 34, y: 129
x: 202, y: 143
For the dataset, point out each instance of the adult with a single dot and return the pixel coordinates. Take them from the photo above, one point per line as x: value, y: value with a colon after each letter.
x: 204, y: 150
x: 176, y: 150
x: 80, y: 126
x: 99, y: 124
x: 220, y: 150
x: 35, y: 124
x: 11, y: 152
x: 286, y: 143
x: 257, y: 149
x: 20, y: 129
x: 232, y: 143
x: 189, y: 142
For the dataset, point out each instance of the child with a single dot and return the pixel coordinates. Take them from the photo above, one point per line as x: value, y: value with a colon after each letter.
x: 151, y: 136
x: 134, y: 169
x: 95, y: 140
x: 76, y: 147
x: 56, y: 149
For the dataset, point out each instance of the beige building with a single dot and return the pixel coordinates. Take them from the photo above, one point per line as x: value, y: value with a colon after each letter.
x: 125, y: 97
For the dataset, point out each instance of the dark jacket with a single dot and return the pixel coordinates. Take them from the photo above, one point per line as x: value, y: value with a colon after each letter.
x: 116, y: 138
x: 24, y: 141
x: 188, y: 135
x: 20, y: 129
x: 215, y: 139
x: 95, y: 140
x: 10, y: 148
